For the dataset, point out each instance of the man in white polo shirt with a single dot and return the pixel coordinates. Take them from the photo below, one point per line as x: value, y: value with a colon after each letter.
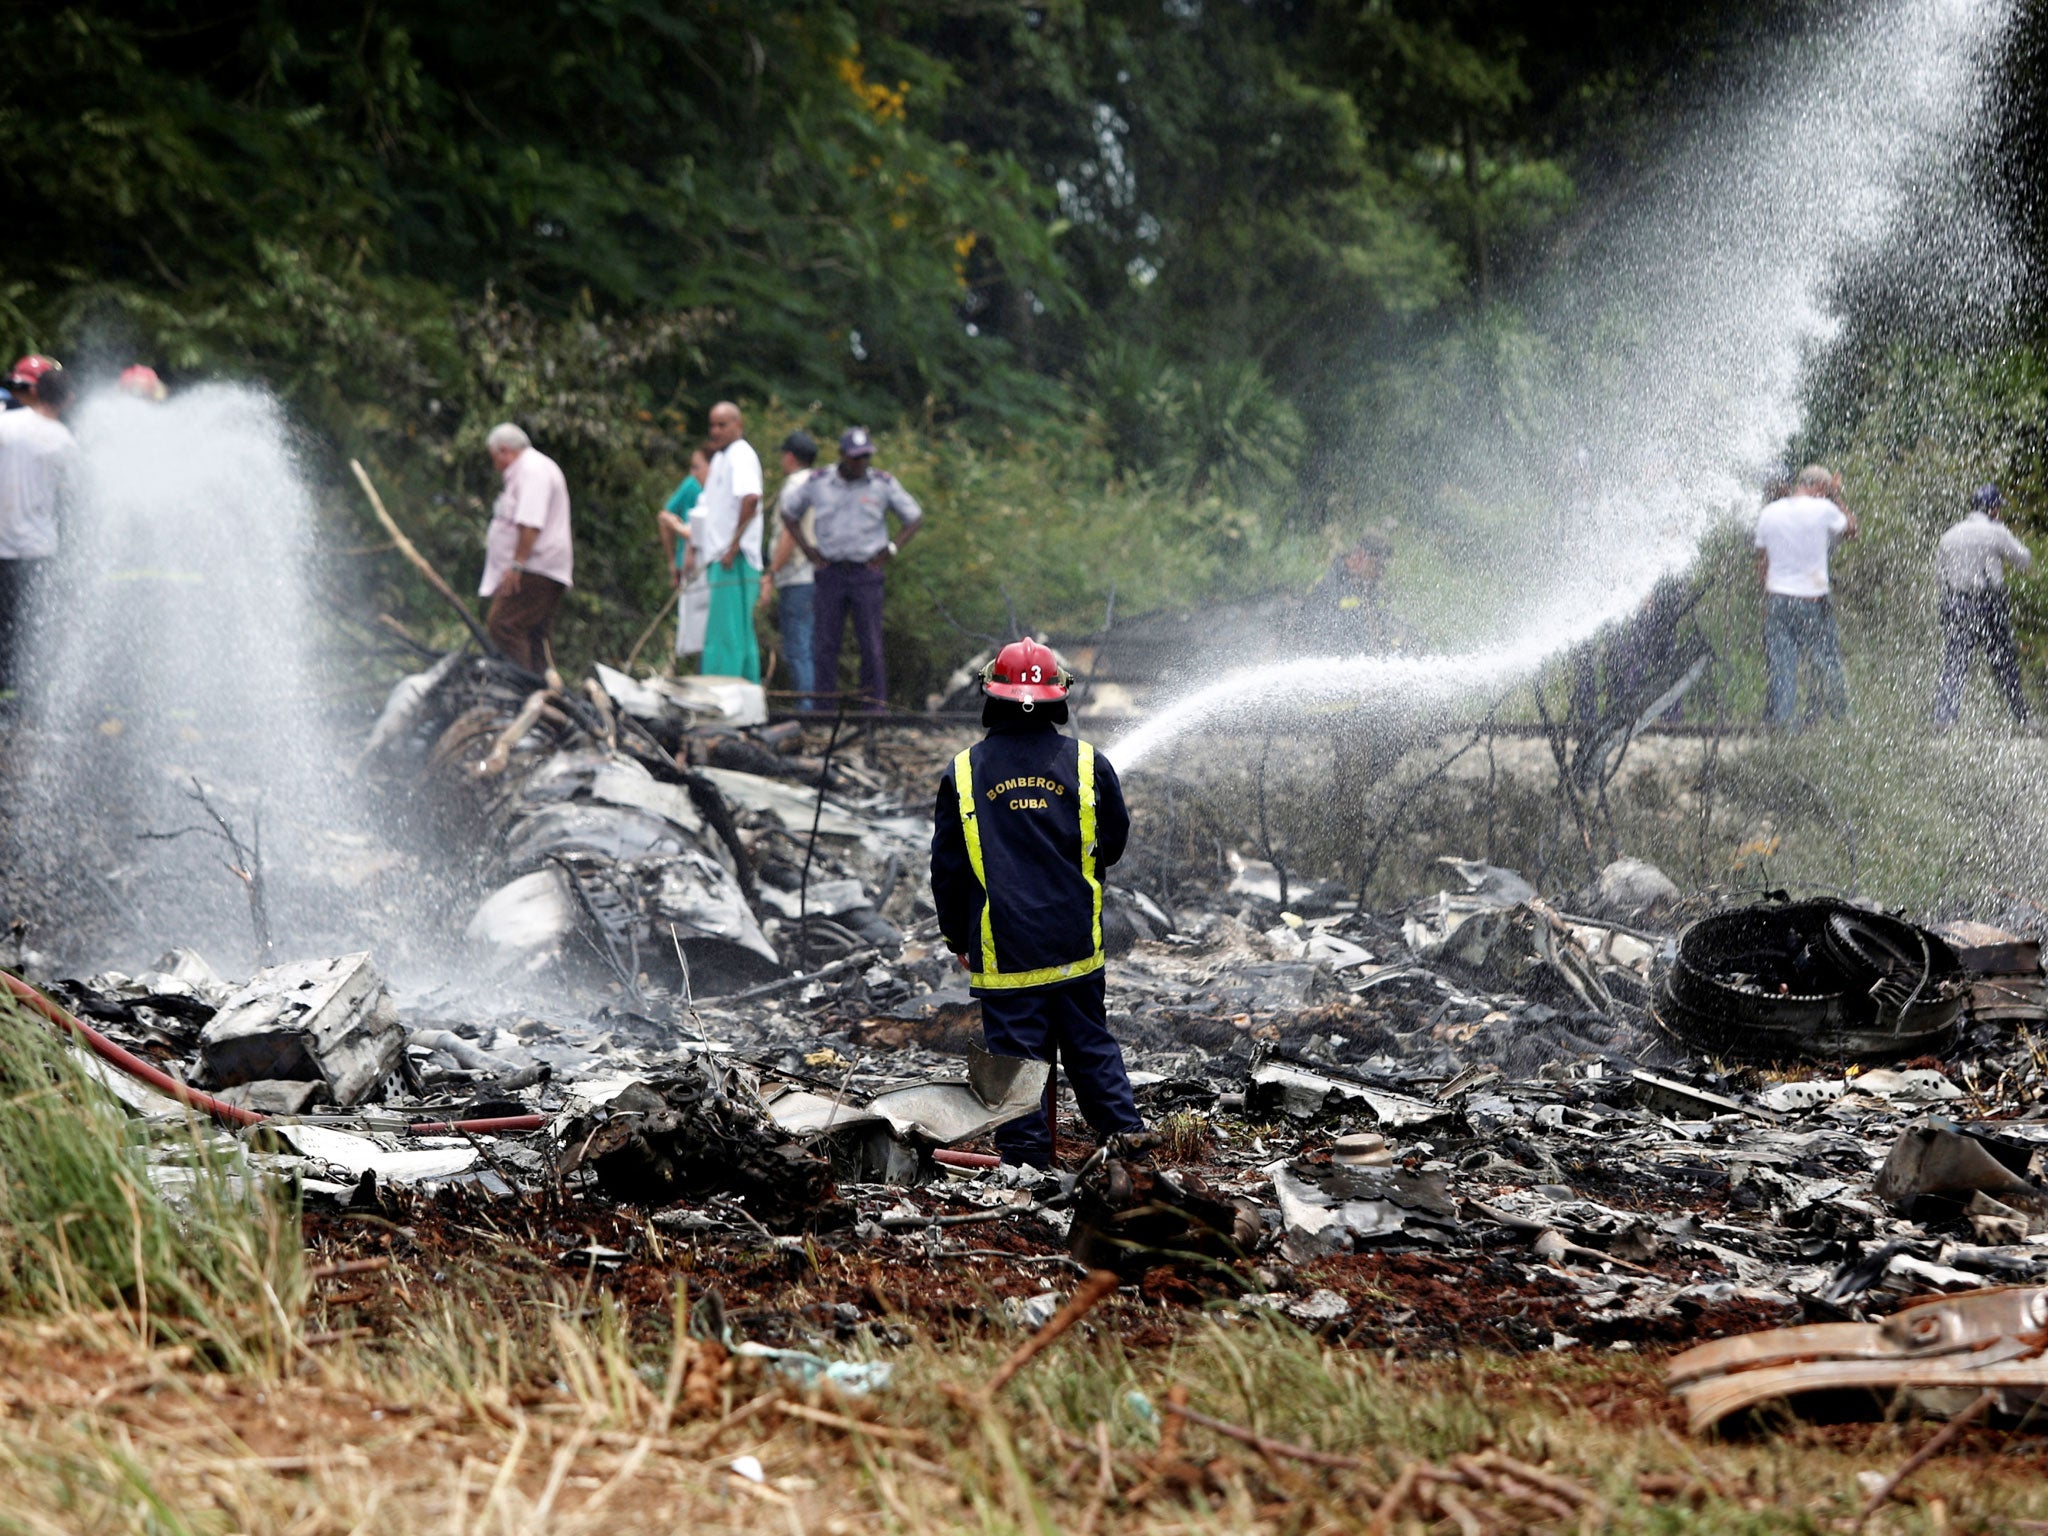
x: 731, y: 511
x: 1975, y: 610
x: 1794, y: 536
x: 528, y: 556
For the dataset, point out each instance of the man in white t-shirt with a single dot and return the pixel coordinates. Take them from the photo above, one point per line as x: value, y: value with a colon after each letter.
x: 731, y: 511
x: 1794, y: 536
x: 37, y: 452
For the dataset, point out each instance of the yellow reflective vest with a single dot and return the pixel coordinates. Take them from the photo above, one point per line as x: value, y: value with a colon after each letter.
x: 1013, y: 823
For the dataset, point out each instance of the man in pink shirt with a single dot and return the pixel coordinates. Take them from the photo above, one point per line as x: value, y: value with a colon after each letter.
x: 527, y: 552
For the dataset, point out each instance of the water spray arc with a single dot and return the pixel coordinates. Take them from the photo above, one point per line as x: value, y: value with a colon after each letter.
x: 1677, y: 346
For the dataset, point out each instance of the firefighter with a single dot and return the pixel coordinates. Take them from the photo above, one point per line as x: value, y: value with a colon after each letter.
x: 1027, y: 821
x: 141, y: 381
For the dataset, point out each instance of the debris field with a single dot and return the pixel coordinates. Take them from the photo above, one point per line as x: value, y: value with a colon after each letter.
x: 1487, y: 1120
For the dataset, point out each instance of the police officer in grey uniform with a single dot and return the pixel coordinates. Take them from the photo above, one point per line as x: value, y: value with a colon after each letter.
x: 850, y: 507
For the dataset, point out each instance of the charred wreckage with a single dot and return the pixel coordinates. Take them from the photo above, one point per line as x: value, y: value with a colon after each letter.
x: 1488, y: 1116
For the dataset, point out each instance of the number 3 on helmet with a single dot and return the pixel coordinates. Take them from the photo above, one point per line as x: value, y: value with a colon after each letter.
x: 1028, y: 672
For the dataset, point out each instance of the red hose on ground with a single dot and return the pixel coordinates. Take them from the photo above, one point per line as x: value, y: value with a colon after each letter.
x: 232, y: 1114
x: 128, y: 1061
x: 954, y: 1159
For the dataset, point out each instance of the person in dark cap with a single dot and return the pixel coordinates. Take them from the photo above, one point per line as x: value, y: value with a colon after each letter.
x: 1975, y: 610
x: 851, y: 548
x: 792, y: 579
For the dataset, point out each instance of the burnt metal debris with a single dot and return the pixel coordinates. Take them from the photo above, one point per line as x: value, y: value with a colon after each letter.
x: 1813, y: 979
x: 1939, y: 1355
x: 1492, y: 1116
x: 698, y: 1133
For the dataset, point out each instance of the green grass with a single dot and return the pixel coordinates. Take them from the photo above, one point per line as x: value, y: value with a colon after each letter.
x: 85, y: 1230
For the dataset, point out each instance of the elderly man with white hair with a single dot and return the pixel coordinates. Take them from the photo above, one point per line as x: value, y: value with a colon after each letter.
x: 527, y: 552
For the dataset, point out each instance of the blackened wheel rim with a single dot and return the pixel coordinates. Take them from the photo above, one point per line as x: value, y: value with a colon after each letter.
x: 1881, y: 946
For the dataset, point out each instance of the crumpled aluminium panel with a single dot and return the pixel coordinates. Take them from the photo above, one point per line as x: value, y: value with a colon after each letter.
x: 997, y: 1090
x: 1989, y: 1340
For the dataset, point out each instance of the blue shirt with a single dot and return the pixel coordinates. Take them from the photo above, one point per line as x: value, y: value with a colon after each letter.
x: 682, y: 504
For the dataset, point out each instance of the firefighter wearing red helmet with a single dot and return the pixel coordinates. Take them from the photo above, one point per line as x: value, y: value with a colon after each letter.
x: 27, y: 372
x: 141, y: 381
x: 1027, y: 821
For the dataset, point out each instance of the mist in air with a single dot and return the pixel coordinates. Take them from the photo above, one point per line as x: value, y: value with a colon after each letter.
x: 179, y: 643
x: 1670, y: 357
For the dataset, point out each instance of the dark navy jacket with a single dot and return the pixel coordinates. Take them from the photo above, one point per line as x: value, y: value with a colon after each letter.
x: 1041, y: 908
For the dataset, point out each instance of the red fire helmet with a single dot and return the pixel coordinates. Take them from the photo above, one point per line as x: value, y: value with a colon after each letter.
x: 1028, y: 672
x: 31, y: 368
x: 140, y: 380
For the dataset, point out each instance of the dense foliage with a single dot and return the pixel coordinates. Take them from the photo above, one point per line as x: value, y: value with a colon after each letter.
x: 1134, y: 265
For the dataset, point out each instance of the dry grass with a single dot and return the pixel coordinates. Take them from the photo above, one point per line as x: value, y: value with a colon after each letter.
x: 439, y: 1431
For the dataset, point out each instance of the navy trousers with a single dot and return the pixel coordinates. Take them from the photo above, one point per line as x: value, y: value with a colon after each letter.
x: 1070, y: 1023
x: 842, y: 589
x: 1970, y: 620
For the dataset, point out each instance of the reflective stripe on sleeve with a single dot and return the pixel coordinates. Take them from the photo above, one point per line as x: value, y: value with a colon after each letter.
x: 1085, y: 763
x: 970, y: 828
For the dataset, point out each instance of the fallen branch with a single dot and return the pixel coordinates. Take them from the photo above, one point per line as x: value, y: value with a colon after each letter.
x: 1551, y: 1482
x: 426, y: 651
x: 851, y: 1426
x: 710, y: 1432
x: 1503, y: 1486
x: 1100, y: 1283
x: 646, y: 635
x: 1469, y: 1524
x: 499, y: 757
x: 1266, y: 1446
x: 783, y: 983
x: 1567, y: 1248
x: 965, y: 1219
x: 1383, y: 1513
x: 421, y: 563
x: 347, y: 1267
x: 1946, y: 1436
